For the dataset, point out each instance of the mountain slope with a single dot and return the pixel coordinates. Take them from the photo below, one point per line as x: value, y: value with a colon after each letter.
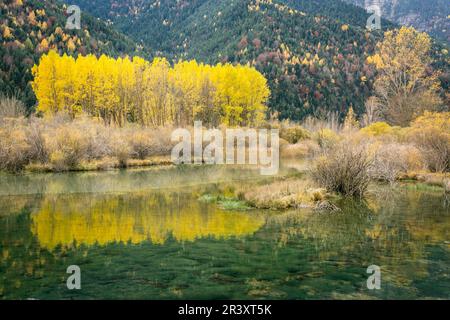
x: 30, y: 28
x: 313, y: 52
x: 313, y: 58
x: 431, y: 16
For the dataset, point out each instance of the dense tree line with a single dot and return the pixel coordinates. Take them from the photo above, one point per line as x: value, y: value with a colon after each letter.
x: 313, y: 53
x: 150, y: 93
x: 313, y: 58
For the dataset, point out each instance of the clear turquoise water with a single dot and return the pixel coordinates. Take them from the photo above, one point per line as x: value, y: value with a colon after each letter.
x: 144, y: 235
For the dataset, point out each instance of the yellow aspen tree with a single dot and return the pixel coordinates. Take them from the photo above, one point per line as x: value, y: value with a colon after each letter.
x: 138, y: 90
x: 86, y: 83
x: 106, y: 97
x: 255, y: 93
x: 157, y: 110
x: 125, y: 85
x: 65, y: 86
x: 208, y: 112
x: 44, y: 83
x: 185, y: 80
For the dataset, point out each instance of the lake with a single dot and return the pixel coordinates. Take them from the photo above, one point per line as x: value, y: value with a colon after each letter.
x: 144, y: 234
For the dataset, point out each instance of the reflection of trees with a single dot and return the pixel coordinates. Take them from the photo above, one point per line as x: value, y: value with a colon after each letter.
x: 124, y: 181
x: 312, y: 252
x: 12, y: 205
x: 405, y: 226
x: 330, y: 233
x: 88, y: 220
x: 394, y: 232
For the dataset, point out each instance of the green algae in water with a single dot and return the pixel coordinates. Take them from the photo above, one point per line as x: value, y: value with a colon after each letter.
x: 225, y: 202
x: 134, y: 240
x: 233, y: 204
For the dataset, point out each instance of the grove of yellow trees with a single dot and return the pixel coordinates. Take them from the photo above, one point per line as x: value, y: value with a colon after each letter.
x: 150, y: 93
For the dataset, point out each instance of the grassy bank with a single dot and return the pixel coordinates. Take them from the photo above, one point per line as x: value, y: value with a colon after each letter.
x: 340, y: 158
x: 102, y: 165
x: 346, y: 158
x: 61, y: 144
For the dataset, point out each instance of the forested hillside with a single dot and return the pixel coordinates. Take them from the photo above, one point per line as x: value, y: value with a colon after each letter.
x: 30, y: 28
x: 312, y: 52
x: 314, y: 63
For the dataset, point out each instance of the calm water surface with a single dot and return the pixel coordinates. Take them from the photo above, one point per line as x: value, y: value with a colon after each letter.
x: 144, y: 235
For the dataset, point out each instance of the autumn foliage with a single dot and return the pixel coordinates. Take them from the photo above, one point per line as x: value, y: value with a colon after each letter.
x: 406, y: 85
x: 150, y: 93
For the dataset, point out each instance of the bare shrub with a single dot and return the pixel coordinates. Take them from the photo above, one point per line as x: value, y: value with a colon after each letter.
x: 304, y: 149
x: 121, y: 149
x: 99, y: 145
x: 394, y: 159
x: 36, y: 142
x: 146, y: 142
x: 99, y: 142
x: 68, y: 148
x: 11, y: 107
x: 344, y: 169
x: 141, y: 143
x: 431, y: 134
x: 14, y: 153
x: 330, y: 122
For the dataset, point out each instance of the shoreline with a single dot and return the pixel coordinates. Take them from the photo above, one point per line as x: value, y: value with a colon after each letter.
x: 440, y: 180
x: 101, y: 165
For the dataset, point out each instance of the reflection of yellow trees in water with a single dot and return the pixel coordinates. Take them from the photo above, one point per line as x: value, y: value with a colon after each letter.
x: 86, y: 220
x: 421, y: 216
x: 406, y: 222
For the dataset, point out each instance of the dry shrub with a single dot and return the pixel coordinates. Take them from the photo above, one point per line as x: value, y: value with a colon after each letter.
x: 68, y: 147
x: 11, y: 107
x: 344, y: 169
x: 392, y: 160
x: 141, y: 144
x: 65, y: 143
x: 330, y: 122
x: 145, y: 143
x: 99, y: 144
x: 431, y: 134
x: 36, y: 142
x: 97, y: 135
x: 303, y: 149
x: 121, y: 149
x: 433, y: 179
x: 298, y: 150
x: 61, y: 143
x: 283, y: 195
x: 14, y: 150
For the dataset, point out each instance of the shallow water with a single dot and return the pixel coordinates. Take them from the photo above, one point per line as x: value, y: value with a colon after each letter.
x: 143, y: 234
